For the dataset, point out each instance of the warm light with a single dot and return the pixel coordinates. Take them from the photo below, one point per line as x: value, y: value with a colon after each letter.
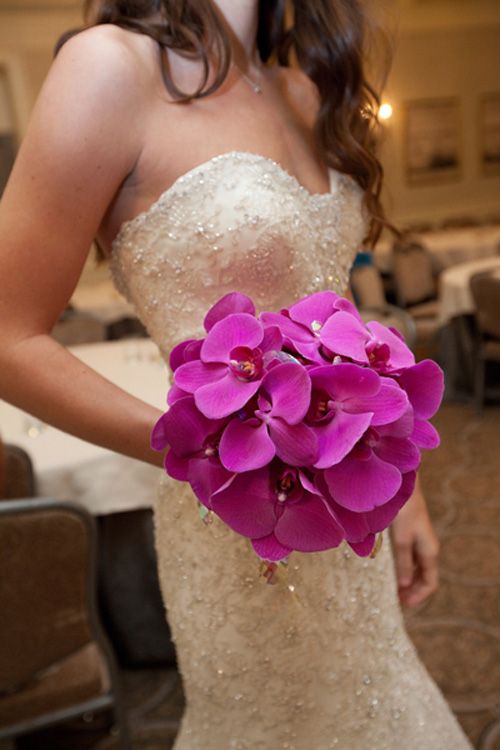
x: 385, y: 111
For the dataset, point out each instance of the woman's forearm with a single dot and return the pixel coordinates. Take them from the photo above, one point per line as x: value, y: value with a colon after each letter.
x: 43, y: 378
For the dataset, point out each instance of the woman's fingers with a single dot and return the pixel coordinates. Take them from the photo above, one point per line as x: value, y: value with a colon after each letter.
x: 405, y: 565
x: 426, y: 579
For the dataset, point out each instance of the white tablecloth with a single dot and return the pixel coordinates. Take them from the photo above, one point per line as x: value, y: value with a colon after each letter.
x: 69, y: 468
x: 455, y: 297
x: 448, y: 247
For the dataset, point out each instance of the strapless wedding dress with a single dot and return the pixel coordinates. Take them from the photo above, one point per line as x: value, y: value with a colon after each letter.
x: 322, y: 660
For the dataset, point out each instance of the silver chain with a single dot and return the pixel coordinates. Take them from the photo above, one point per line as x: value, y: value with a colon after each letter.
x: 254, y: 85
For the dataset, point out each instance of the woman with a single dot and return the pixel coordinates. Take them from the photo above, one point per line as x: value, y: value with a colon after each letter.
x: 201, y: 170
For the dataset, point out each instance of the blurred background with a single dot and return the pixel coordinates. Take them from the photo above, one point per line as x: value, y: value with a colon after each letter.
x: 103, y: 651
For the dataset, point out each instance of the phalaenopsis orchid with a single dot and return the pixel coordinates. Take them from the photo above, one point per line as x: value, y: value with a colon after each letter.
x: 300, y: 428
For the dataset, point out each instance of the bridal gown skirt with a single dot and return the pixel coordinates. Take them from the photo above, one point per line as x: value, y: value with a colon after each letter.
x: 319, y: 660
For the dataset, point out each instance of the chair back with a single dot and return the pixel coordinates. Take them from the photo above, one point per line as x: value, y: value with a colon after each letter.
x: 367, y: 286
x: 485, y: 289
x: 18, y: 474
x: 47, y: 563
x: 412, y: 273
x: 79, y: 329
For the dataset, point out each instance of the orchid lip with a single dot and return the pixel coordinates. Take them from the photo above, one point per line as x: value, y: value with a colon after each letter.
x: 246, y: 364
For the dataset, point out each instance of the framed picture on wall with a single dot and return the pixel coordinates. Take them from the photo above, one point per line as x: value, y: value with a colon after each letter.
x: 489, y: 134
x: 433, y: 141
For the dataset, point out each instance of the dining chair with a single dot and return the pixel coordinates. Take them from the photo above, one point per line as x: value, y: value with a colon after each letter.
x: 485, y: 290
x: 76, y: 327
x: 415, y: 287
x: 368, y: 291
x: 18, y: 474
x: 55, y: 661
x: 367, y: 286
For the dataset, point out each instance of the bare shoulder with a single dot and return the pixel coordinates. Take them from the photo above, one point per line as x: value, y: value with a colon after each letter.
x: 300, y: 90
x: 111, y: 57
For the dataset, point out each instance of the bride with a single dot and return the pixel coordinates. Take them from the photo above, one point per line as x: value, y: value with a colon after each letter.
x: 168, y: 131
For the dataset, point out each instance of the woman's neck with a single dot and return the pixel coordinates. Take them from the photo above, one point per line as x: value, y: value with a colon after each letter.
x: 241, y: 17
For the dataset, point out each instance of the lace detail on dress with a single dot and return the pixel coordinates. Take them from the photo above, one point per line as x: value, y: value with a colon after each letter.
x: 238, y: 222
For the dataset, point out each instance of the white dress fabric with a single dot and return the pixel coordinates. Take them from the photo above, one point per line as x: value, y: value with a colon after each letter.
x: 320, y: 660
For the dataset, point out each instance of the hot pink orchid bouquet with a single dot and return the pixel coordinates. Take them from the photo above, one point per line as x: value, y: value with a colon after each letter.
x: 299, y: 428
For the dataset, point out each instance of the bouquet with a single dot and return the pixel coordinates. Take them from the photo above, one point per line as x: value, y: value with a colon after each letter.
x: 299, y: 428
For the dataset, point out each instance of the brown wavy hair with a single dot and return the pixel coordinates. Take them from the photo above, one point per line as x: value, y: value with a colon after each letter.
x: 325, y: 38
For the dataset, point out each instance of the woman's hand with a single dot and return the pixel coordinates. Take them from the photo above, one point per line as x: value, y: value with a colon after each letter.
x: 416, y: 549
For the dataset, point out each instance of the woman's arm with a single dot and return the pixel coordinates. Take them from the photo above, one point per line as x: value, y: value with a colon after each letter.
x: 416, y: 550
x: 82, y: 141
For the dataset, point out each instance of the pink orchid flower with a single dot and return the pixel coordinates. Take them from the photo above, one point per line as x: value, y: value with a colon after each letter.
x: 279, y: 509
x: 273, y: 424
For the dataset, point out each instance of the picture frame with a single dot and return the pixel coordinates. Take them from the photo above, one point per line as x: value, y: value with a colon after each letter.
x: 433, y: 141
x: 489, y: 134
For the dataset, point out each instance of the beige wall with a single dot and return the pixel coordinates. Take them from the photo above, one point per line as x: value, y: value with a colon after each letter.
x: 461, y: 62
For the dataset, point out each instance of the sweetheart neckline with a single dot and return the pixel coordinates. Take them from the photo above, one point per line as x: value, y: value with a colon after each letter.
x: 218, y: 157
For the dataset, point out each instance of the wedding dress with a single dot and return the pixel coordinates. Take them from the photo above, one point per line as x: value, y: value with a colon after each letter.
x: 321, y: 660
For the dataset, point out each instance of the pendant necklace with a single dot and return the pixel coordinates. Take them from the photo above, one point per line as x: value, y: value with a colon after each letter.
x: 254, y: 85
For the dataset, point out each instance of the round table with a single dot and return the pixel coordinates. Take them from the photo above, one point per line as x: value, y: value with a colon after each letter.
x: 455, y: 297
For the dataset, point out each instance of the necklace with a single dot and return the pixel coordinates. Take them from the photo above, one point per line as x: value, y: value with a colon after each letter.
x: 254, y: 85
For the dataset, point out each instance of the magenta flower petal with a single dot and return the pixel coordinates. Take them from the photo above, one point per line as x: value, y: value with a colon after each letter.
x: 388, y: 405
x: 401, y: 355
x: 345, y: 305
x: 225, y: 396
x: 158, y: 439
x: 244, y: 447
x: 231, y: 303
x: 317, y: 307
x: 307, y: 526
x: 268, y: 548
x: 346, y: 382
x: 176, y: 467
x: 192, y: 375
x: 289, y: 329
x: 401, y: 427
x: 289, y: 388
x: 364, y: 548
x: 229, y: 333
x: 247, y: 504
x: 361, y: 484
x: 296, y: 445
x: 380, y: 518
x: 425, y: 435
x: 272, y: 339
x: 184, y: 428
x: 345, y: 335
x: 400, y: 452
x: 338, y: 437
x: 297, y: 336
x: 184, y: 352
x: 174, y: 394
x: 424, y: 384
x: 207, y: 476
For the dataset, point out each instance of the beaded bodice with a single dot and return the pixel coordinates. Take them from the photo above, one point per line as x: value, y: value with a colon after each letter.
x: 238, y: 222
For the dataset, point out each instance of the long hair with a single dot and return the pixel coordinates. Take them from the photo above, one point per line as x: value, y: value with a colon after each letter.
x: 325, y: 38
